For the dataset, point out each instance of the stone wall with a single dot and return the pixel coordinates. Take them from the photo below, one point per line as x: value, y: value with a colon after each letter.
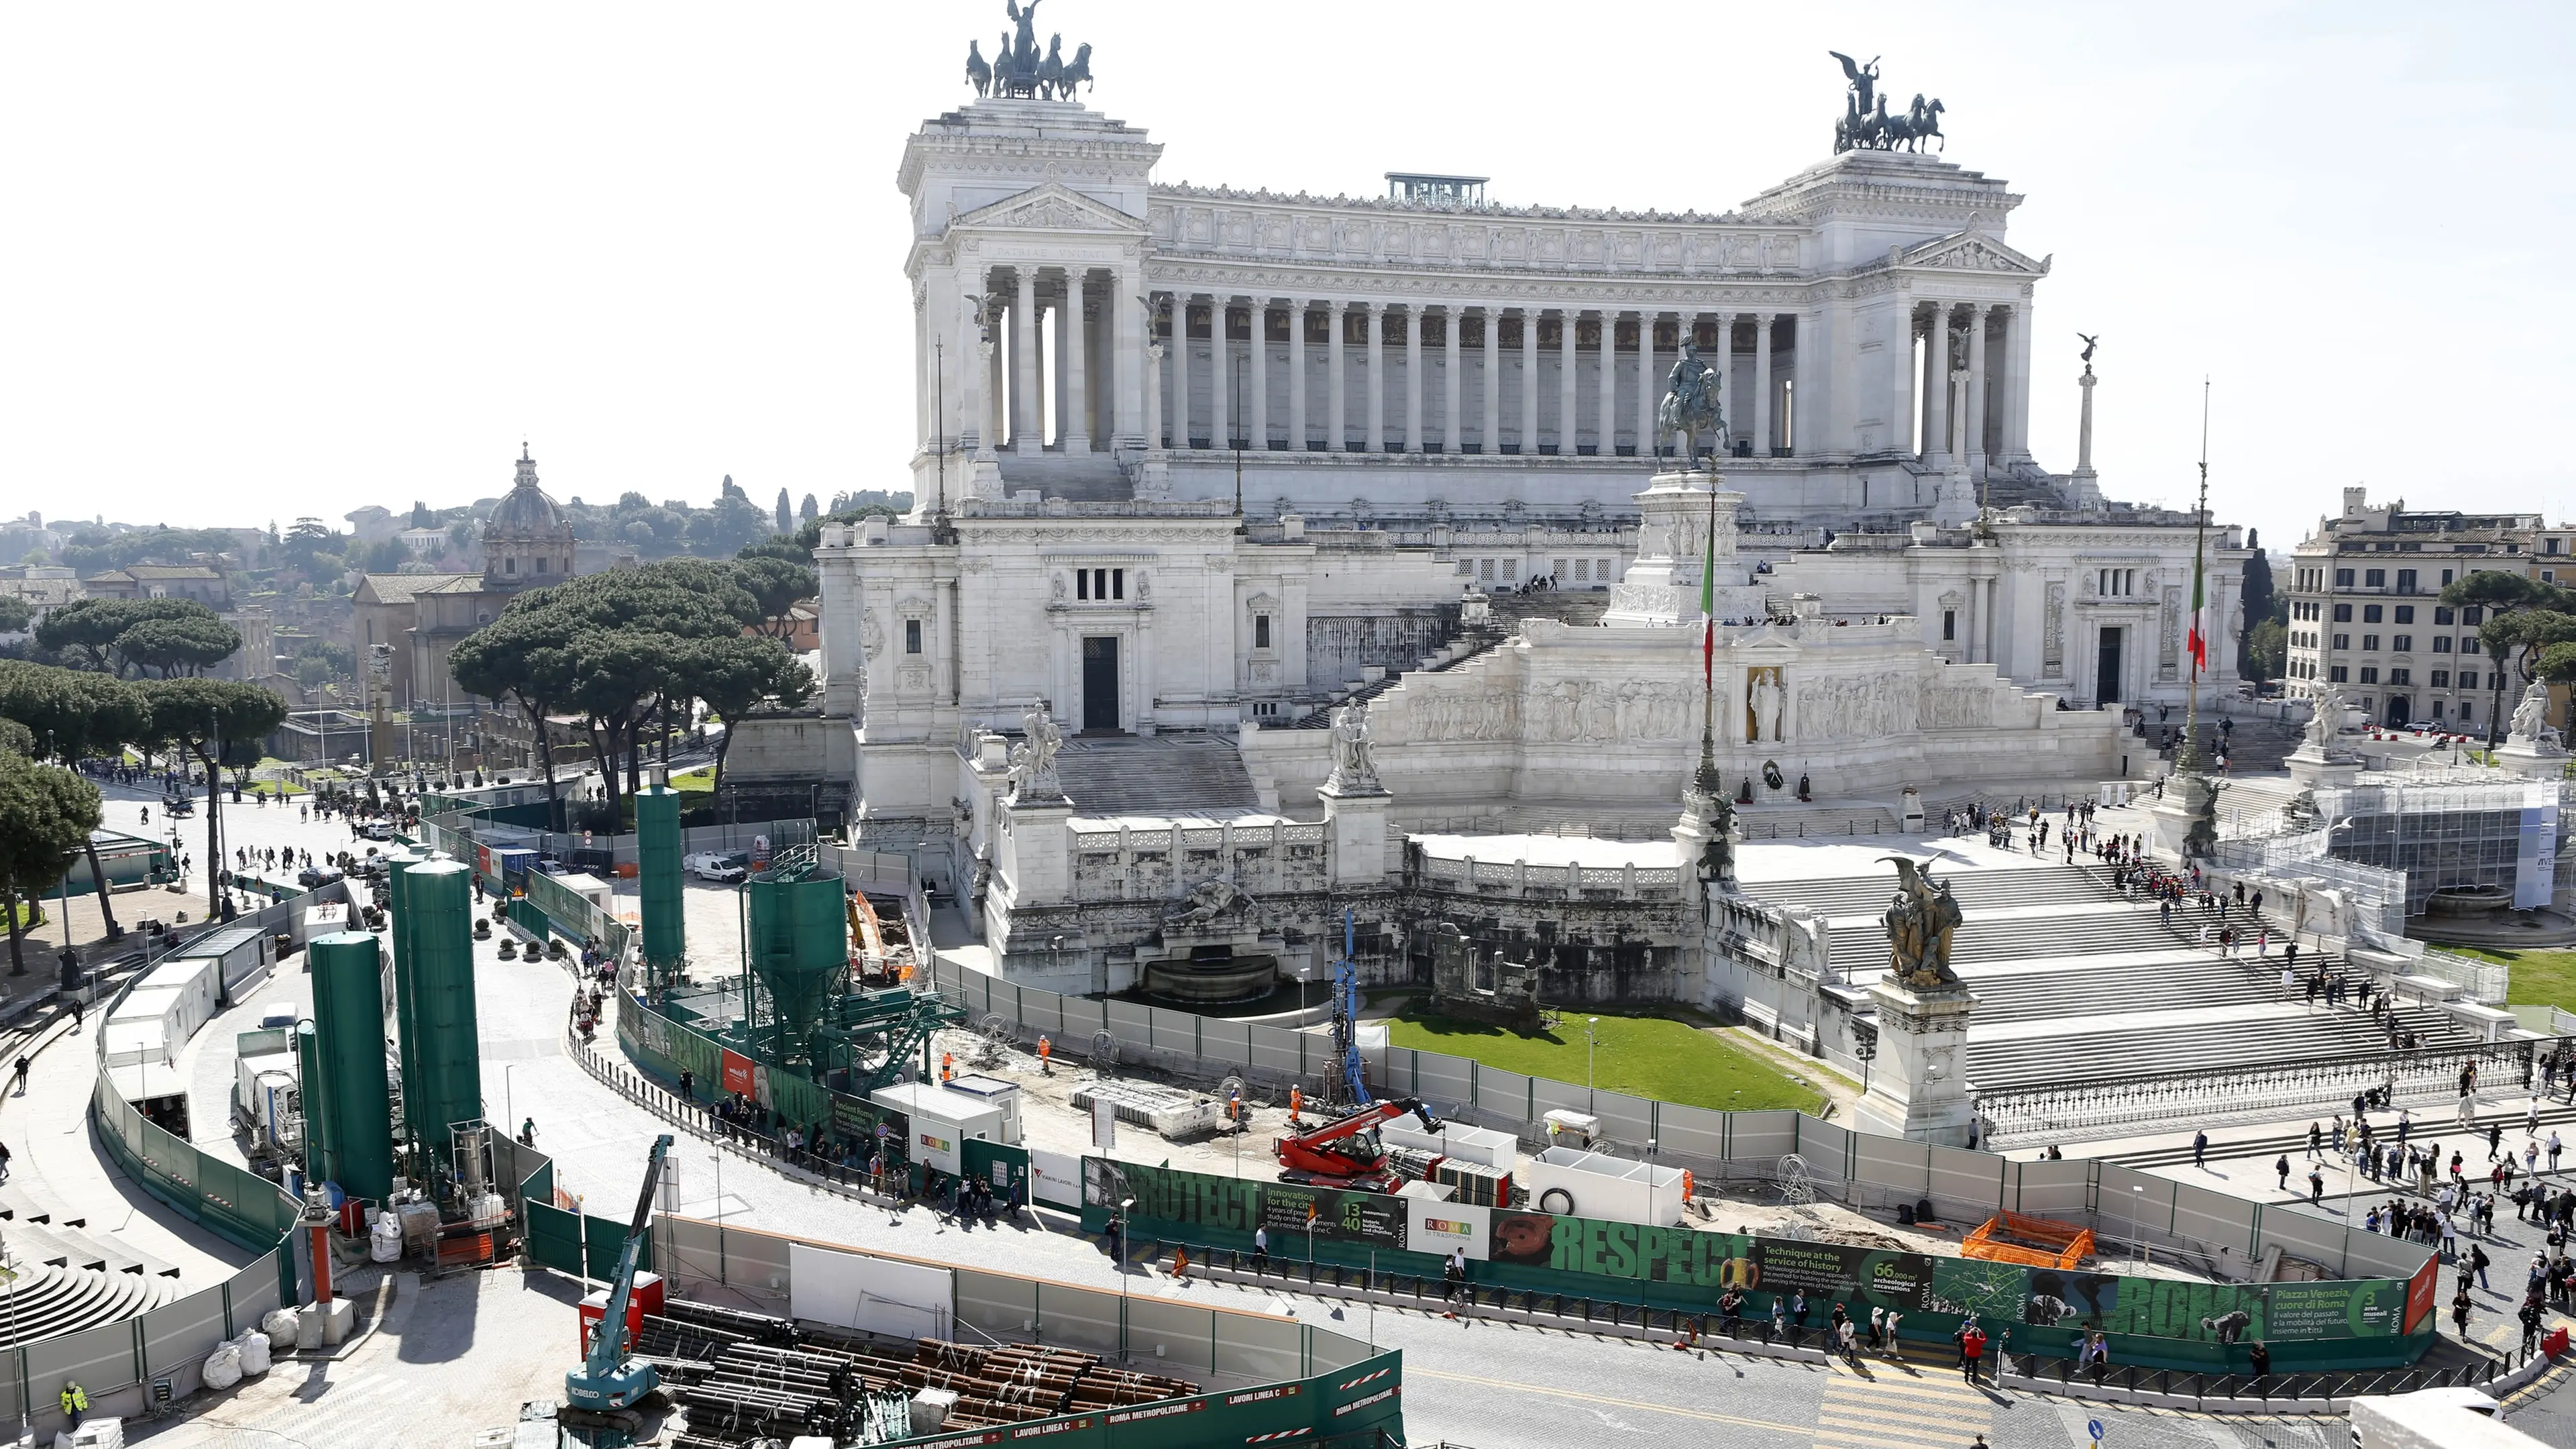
x: 1394, y: 639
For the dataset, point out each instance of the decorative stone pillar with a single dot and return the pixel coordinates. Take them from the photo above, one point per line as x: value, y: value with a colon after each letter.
x: 1181, y: 370
x: 2084, y: 487
x: 1377, y: 377
x: 1259, y: 432
x: 1077, y: 348
x: 1413, y: 377
x: 1763, y: 445
x: 1452, y: 439
x: 1899, y: 346
x: 1355, y: 812
x: 1568, y: 320
x: 1222, y: 370
x: 1677, y: 516
x: 1127, y: 340
x: 1337, y: 379
x: 1529, y: 382
x: 1936, y: 386
x: 1918, y: 1087
x: 2016, y: 439
x: 1493, y: 380
x: 1296, y: 375
x: 1738, y: 420
x: 1156, y: 479
x: 1646, y: 384
x: 975, y: 437
x: 1028, y: 421
x: 1605, y: 440
x: 1974, y: 420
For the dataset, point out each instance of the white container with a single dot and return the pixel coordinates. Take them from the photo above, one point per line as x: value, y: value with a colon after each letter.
x: 246, y: 1074
x: 941, y: 1121
x: 1580, y: 1122
x: 134, y: 1043
x: 931, y: 1408
x: 1593, y: 1185
x: 1456, y: 1141
x: 195, y: 983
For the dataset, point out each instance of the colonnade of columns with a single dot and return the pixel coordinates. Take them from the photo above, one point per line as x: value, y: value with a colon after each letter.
x: 1394, y: 376
x: 1969, y: 409
x: 1093, y: 394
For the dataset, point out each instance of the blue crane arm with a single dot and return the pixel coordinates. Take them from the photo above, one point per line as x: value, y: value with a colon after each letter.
x: 609, y: 1349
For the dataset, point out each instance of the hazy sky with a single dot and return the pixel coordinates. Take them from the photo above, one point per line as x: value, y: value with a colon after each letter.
x: 276, y: 259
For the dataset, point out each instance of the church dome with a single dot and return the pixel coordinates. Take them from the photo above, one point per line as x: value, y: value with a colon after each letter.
x: 525, y: 509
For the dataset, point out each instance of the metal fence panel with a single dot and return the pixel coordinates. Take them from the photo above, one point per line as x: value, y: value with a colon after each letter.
x: 2054, y: 1189
x: 2306, y: 1235
x: 2202, y: 1216
x: 1083, y: 1019
x: 185, y: 1331
x: 1697, y: 1132
x: 1225, y: 1041
x: 1172, y: 1335
x: 1446, y: 1081
x: 1548, y: 1095
x: 1625, y: 1118
x: 1176, y: 1031
x: 1506, y: 1095
x: 1005, y: 1308
x: 1890, y: 1164
x: 1132, y: 1022
x: 1759, y: 1137
x: 686, y: 1248
x: 101, y: 1358
x: 254, y: 1293
x: 1260, y: 1350
x: 1042, y: 1010
x: 1276, y: 1051
x: 1824, y: 1147
x: 1082, y: 1318
x: 1973, y: 1180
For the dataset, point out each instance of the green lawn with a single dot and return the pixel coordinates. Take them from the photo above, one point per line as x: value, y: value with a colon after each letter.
x: 1669, y: 1058
x: 701, y: 780
x: 2540, y: 978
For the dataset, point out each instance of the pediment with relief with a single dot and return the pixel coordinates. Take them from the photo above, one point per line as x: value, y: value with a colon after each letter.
x: 1051, y: 207
x: 1969, y: 251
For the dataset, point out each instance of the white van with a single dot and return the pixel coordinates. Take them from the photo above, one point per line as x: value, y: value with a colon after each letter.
x: 708, y: 865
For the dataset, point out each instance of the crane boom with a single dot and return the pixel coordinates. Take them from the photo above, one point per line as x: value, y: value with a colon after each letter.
x: 607, y: 1379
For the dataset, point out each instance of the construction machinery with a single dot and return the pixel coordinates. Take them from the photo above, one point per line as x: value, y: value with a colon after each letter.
x: 609, y: 1382
x: 1346, y: 1152
x: 1346, y: 1014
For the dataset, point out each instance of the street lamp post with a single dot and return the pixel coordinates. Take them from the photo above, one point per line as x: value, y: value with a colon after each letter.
x: 717, y: 1157
x: 1591, y: 1048
x: 2135, y: 1244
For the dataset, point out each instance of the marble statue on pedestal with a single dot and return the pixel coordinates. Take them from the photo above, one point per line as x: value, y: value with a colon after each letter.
x: 1033, y: 772
x: 1920, y: 922
x: 2530, y: 727
x: 1354, y: 767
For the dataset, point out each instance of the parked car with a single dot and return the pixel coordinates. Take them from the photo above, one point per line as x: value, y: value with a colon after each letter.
x: 708, y: 865
x: 314, y: 877
x: 379, y: 828
x: 182, y: 805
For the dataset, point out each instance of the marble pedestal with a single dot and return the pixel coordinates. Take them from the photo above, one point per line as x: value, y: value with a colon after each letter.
x: 2531, y: 759
x: 2187, y: 817
x: 1918, y: 1084
x: 2311, y: 766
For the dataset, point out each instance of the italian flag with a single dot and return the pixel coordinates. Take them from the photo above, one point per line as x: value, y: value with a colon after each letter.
x: 2198, y: 643
x: 1708, y: 599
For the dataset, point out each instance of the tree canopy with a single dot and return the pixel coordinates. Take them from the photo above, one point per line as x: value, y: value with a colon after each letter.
x: 124, y: 636
x: 46, y: 815
x: 2523, y: 615
x: 15, y: 613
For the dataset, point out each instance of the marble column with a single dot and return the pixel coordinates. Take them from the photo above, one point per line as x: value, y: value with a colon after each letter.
x: 1028, y: 418
x: 1128, y: 319
x: 1376, y: 364
x: 1899, y: 345
x: 1153, y: 423
x: 1077, y: 436
x: 1060, y: 420
x: 1529, y: 381
x: 1221, y: 373
x: 1739, y: 423
x: 1259, y: 428
x: 1180, y: 369
x: 1567, y: 321
x: 974, y: 436
x: 1413, y: 377
x: 1493, y: 380
x: 1606, y: 407
x: 1762, y: 442
x: 1296, y: 375
x: 1936, y: 396
x: 1975, y: 422
x: 1807, y: 364
x: 1452, y: 438
x: 1646, y: 382
x: 2016, y: 439
x: 1336, y: 382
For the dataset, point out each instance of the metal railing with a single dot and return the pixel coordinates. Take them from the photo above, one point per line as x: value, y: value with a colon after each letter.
x: 2284, y: 1388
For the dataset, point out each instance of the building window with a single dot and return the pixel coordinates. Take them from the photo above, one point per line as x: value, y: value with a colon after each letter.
x: 2335, y: 674
x: 1466, y: 568
x: 2402, y: 643
x: 1261, y: 631
x: 1484, y: 568
x: 2442, y: 644
x: 1556, y: 568
x: 2437, y: 709
x: 2441, y: 679
x: 2369, y: 641
x: 1949, y: 625
x: 2369, y: 674
x: 912, y: 636
x: 2549, y: 576
x: 2399, y: 676
x: 2343, y: 613
x: 2343, y: 578
x: 2405, y: 581
x: 2473, y: 614
x: 2446, y: 578
x: 541, y: 563
x: 1511, y: 566
x: 1583, y: 571
x: 2442, y: 614
x: 2343, y: 641
x: 2467, y: 710
x: 2374, y: 578
x: 2406, y: 613
x: 2550, y: 547
x: 509, y: 566
x: 2370, y: 613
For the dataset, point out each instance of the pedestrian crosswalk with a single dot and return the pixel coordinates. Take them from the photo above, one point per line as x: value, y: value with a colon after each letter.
x: 1901, y: 1404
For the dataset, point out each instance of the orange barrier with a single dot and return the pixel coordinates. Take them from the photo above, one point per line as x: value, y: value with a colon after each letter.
x: 2030, y: 1242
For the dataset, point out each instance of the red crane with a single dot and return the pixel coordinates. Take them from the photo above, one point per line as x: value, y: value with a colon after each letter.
x: 1345, y: 1152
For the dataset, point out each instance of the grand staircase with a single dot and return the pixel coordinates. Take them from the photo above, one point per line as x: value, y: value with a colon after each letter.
x: 2073, y: 982
x: 1172, y: 775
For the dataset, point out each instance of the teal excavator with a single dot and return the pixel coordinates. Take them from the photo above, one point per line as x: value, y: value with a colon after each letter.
x: 609, y: 1384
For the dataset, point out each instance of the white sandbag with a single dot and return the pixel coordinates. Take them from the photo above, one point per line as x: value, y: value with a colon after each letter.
x: 385, y: 1240
x: 280, y: 1327
x: 254, y: 1352
x: 223, y: 1367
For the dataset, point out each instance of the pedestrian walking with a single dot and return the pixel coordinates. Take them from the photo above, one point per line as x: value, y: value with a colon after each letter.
x: 2200, y: 1149
x: 2283, y: 1168
x: 1972, y: 1349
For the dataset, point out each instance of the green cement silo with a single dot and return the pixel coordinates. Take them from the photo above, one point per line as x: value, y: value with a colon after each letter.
x: 397, y: 936
x: 349, y: 1020
x: 800, y: 951
x: 657, y: 871
x: 442, y: 1060
x: 321, y: 1135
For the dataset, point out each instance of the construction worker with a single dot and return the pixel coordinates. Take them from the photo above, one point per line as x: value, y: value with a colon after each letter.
x: 947, y: 1065
x: 1046, y: 1050
x: 1296, y: 1104
x: 75, y: 1401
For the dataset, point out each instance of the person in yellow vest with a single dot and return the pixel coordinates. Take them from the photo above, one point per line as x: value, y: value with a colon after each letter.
x: 75, y: 1401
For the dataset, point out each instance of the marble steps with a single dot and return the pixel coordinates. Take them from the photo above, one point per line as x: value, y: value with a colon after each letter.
x: 1579, y: 609
x: 1975, y: 890
x: 2133, y: 985
x: 2171, y: 1043
x: 48, y: 1301
x: 1164, y: 775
